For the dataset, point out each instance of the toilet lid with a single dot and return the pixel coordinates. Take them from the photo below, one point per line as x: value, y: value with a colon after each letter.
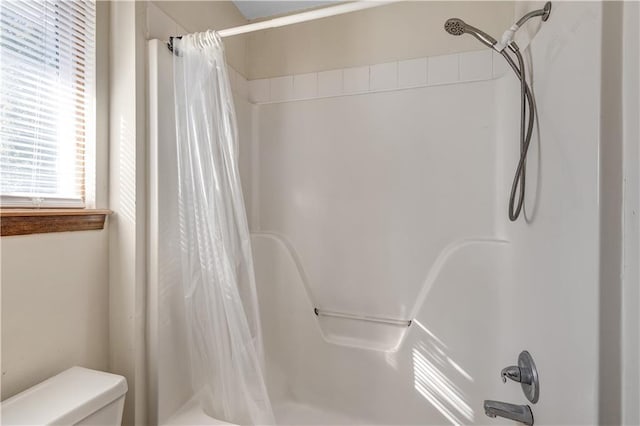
x: 66, y: 398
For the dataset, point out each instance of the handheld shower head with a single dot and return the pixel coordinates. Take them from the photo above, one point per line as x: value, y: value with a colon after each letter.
x: 456, y: 27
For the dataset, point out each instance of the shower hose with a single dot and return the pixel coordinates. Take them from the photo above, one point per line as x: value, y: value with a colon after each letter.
x: 527, y: 115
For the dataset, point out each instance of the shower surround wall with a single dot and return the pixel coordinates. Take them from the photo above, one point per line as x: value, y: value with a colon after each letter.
x: 354, y: 186
x: 382, y: 191
x: 390, y: 155
x: 364, y: 208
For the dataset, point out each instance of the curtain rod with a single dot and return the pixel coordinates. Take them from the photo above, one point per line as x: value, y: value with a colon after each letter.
x: 311, y: 15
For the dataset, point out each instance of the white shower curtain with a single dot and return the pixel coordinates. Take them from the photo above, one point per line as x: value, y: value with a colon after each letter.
x: 218, y: 277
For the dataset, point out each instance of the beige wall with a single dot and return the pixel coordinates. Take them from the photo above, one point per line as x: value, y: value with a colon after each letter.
x: 127, y: 199
x: 404, y: 30
x: 215, y: 15
x: 54, y: 306
x: 55, y: 287
x: 631, y: 231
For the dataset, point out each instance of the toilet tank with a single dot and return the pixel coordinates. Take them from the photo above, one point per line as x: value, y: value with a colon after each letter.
x: 77, y: 396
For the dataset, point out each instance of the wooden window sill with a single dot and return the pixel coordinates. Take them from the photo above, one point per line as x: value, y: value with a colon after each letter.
x: 40, y: 221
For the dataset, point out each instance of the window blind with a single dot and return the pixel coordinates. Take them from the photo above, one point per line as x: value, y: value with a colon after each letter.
x: 47, y: 98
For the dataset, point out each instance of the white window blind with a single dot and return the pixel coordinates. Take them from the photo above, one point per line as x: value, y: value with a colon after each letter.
x: 47, y: 98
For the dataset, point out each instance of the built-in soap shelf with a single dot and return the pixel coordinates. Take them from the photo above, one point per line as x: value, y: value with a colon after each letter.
x: 362, y: 331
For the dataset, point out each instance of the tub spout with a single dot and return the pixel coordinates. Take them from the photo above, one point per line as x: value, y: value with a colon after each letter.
x: 518, y: 413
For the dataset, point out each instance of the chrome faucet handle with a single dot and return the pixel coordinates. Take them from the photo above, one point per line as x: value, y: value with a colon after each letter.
x: 512, y: 372
x: 524, y: 373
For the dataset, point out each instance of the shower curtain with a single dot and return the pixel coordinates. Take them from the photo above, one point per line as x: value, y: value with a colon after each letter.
x: 226, y: 356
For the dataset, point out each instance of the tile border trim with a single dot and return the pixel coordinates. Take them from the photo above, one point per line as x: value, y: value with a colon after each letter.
x: 384, y: 77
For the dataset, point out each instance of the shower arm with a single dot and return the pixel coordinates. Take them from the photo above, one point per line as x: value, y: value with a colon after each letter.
x: 544, y: 12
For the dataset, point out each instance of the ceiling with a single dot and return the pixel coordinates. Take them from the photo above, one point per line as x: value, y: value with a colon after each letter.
x: 255, y: 9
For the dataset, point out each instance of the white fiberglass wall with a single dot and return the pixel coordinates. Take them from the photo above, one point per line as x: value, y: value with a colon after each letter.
x: 362, y: 201
x: 381, y: 205
x: 369, y: 191
x: 552, y: 294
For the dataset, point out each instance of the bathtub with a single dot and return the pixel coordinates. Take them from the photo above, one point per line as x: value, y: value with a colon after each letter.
x: 287, y: 413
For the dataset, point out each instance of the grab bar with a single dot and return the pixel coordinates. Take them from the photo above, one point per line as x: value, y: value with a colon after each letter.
x: 345, y: 315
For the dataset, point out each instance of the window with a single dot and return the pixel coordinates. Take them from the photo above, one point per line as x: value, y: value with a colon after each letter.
x: 47, y: 101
